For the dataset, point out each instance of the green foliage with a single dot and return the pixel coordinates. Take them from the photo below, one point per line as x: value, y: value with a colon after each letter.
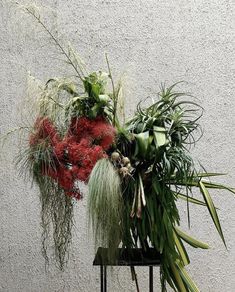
x: 158, y: 148
x: 95, y: 101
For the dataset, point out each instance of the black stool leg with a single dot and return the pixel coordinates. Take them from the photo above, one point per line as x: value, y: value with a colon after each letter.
x: 101, y: 278
x: 105, y: 279
x: 150, y: 278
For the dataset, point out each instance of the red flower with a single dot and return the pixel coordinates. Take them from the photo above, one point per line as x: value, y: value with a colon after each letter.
x: 107, y: 141
x: 103, y: 132
x: 60, y: 150
x: 76, y: 151
x: 80, y: 127
x: 75, y: 156
x: 65, y: 178
x: 98, y: 129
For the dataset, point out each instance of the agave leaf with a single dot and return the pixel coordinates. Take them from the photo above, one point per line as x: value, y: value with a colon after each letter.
x: 212, y: 210
x: 191, y: 240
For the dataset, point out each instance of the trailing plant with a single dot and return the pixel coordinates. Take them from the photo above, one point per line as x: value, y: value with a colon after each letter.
x: 136, y: 171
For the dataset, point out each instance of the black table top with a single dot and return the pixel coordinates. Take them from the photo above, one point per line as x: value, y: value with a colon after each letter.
x: 130, y: 257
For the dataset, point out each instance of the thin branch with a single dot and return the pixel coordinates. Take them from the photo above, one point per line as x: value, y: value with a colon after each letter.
x: 55, y: 40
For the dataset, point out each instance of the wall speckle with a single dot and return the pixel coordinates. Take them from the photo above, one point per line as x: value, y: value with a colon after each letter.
x: 148, y: 42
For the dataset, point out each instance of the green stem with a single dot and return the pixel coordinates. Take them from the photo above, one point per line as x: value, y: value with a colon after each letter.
x: 115, y: 99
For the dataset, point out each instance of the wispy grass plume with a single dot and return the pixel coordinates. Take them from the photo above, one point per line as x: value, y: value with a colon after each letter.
x: 105, y: 205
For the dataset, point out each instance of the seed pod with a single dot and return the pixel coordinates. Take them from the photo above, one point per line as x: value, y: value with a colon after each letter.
x: 124, y: 170
x: 129, y: 166
x: 115, y: 156
x: 125, y: 160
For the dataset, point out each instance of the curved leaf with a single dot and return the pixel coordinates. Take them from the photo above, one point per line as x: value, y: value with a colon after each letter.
x: 191, y: 240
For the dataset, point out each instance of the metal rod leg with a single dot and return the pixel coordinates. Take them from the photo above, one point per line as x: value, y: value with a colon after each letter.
x: 101, y: 278
x: 105, y: 279
x: 150, y: 278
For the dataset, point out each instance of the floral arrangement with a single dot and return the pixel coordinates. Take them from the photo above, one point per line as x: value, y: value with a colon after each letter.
x: 136, y: 170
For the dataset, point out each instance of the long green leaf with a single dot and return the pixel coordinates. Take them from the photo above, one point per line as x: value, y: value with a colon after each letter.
x: 177, y: 278
x: 208, y: 174
x: 207, y: 184
x: 212, y: 210
x: 218, y: 186
x: 191, y: 240
x: 181, y: 249
x: 190, y: 199
x: 187, y: 279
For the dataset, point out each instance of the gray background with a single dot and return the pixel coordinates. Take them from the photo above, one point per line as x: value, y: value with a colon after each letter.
x: 148, y: 42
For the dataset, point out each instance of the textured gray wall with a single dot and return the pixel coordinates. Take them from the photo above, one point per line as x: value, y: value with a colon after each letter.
x: 150, y: 42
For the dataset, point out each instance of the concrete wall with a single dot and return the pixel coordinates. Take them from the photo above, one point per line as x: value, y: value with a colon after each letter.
x: 150, y: 41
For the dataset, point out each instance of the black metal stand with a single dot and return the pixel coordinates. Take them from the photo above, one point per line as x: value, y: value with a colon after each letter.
x: 132, y: 257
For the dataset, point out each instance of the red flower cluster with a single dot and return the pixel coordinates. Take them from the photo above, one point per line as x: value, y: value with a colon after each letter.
x: 76, y: 154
